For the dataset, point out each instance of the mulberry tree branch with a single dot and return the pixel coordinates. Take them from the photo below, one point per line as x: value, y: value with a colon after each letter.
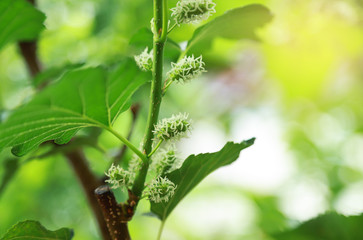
x: 116, y: 215
x: 160, y: 33
x: 89, y: 183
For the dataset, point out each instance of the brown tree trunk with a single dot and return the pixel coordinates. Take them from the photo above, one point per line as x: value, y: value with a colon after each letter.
x: 113, y: 213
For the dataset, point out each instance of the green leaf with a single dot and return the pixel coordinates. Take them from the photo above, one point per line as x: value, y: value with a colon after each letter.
x: 238, y: 23
x: 19, y: 21
x: 269, y: 213
x: 105, y: 15
x: 194, y: 169
x: 82, y: 98
x: 10, y: 166
x: 330, y: 226
x: 32, y: 230
x: 2, y: 113
x: 144, y: 38
x: 53, y: 73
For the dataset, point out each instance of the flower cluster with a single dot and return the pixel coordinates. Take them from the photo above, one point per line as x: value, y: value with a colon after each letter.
x: 119, y: 177
x: 175, y: 127
x: 165, y: 161
x: 160, y: 189
x: 193, y: 11
x: 186, y: 69
x: 145, y: 60
x: 135, y: 164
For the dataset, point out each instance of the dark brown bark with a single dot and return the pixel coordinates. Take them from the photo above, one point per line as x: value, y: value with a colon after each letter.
x: 89, y: 183
x: 116, y: 215
x: 29, y: 52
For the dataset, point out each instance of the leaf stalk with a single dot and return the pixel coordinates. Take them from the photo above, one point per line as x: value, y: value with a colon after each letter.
x: 128, y: 144
x: 156, y: 148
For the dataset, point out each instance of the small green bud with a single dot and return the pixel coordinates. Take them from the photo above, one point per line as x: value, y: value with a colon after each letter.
x: 152, y: 26
x: 145, y: 60
x: 160, y: 190
x: 193, y: 11
x: 175, y: 127
x: 119, y: 177
x: 186, y: 69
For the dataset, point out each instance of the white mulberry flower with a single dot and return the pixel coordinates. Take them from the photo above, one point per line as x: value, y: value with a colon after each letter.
x: 186, y: 69
x: 160, y: 190
x: 145, y: 60
x: 175, y: 127
x: 193, y: 11
x: 135, y: 164
x: 165, y: 161
x: 119, y: 177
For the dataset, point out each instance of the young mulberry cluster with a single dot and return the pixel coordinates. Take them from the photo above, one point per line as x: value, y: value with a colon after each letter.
x: 135, y: 164
x: 160, y: 190
x: 165, y: 161
x: 119, y: 177
x: 193, y: 11
x: 145, y: 60
x: 186, y: 69
x: 172, y: 128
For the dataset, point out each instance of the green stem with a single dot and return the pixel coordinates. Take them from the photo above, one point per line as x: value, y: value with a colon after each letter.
x: 166, y: 87
x: 156, y: 148
x: 171, y: 29
x: 161, y: 25
x: 128, y: 143
x: 160, y: 230
x: 165, y: 20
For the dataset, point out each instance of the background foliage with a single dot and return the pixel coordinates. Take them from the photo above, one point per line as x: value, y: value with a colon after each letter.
x: 298, y: 91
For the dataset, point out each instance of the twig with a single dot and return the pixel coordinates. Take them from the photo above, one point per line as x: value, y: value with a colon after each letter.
x: 28, y: 50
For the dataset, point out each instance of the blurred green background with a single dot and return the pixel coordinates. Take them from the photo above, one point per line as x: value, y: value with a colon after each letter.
x: 299, y: 91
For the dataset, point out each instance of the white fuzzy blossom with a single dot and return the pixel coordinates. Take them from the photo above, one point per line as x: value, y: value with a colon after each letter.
x: 165, y: 161
x: 186, y: 69
x: 135, y: 164
x: 145, y: 60
x: 119, y: 177
x: 160, y: 190
x: 172, y: 128
x: 193, y: 11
